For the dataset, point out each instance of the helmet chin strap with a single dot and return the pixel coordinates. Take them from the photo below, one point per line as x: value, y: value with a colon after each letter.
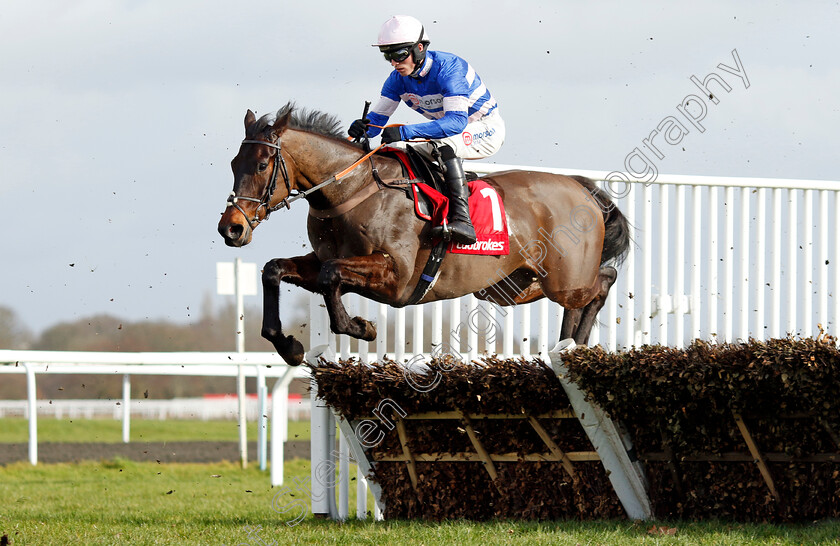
x: 418, y: 55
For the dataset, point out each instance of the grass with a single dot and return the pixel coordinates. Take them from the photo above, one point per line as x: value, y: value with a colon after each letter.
x: 15, y: 430
x: 123, y: 502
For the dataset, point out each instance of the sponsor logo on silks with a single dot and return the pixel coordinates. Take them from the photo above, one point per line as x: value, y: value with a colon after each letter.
x: 493, y: 246
x: 416, y: 101
x: 469, y: 138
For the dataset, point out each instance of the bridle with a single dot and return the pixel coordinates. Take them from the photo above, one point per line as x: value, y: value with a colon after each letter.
x: 265, y: 201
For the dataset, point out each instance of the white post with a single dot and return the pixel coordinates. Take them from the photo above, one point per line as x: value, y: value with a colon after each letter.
x: 454, y: 339
x: 679, y: 276
x: 262, y: 418
x: 776, y: 269
x: 240, y: 348
x: 437, y: 326
x: 542, y: 337
x: 332, y: 460
x: 32, y: 405
x: 507, y: 341
x: 320, y: 447
x: 823, y: 258
x: 363, y: 345
x: 808, y: 292
x: 471, y: 328
x: 792, y: 296
x: 382, y: 332
x: 126, y: 409
x: 343, y: 477
x: 277, y: 437
x: 417, y: 333
x: 361, y: 493
x: 525, y: 333
x: 279, y: 424
x: 399, y: 335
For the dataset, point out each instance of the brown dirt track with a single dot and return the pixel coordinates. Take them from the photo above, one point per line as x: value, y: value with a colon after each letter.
x: 162, y: 452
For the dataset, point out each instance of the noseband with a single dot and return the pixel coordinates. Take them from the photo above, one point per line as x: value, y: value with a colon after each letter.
x: 265, y: 201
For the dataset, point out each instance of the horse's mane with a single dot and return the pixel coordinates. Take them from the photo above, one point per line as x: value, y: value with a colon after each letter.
x: 304, y: 119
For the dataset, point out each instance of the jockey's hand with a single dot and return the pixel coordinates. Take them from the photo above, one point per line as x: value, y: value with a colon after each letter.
x: 391, y: 134
x: 358, y: 128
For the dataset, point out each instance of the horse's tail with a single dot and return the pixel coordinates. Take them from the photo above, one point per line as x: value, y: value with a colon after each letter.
x: 616, y: 227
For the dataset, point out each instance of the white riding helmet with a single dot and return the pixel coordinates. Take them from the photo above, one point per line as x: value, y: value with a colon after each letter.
x: 401, y: 29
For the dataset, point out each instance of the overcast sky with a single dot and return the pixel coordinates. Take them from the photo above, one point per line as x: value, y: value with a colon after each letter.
x: 119, y: 118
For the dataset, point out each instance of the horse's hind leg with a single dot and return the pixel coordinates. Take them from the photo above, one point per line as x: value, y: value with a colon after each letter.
x: 571, y: 319
x: 606, y: 278
x: 301, y: 271
x: 362, y: 274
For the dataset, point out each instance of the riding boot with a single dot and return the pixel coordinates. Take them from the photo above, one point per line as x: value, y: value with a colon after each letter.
x: 459, y: 224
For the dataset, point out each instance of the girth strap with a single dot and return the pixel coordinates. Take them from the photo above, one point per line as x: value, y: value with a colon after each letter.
x: 429, y: 272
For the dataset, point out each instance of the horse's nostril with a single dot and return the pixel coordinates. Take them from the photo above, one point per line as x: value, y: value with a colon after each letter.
x: 231, y: 232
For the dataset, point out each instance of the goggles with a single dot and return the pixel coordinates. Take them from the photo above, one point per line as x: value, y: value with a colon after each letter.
x: 397, y: 55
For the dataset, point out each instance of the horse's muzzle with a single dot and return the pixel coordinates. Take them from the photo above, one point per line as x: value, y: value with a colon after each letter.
x: 234, y: 233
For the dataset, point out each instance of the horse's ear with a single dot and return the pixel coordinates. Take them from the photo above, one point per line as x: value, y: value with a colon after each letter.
x: 281, y: 124
x: 250, y: 119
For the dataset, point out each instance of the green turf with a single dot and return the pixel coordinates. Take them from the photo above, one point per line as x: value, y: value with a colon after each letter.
x: 123, y: 502
x: 16, y: 430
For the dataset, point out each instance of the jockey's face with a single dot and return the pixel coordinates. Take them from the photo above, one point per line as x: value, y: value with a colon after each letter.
x: 406, y: 67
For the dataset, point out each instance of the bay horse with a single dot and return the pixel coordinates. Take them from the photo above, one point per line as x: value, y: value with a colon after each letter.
x: 563, y: 231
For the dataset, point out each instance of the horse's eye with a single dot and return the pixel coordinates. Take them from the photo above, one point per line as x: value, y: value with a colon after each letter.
x: 262, y: 167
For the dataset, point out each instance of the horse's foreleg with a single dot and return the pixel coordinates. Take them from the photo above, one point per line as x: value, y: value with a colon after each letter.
x: 362, y: 274
x: 301, y: 271
x: 606, y: 278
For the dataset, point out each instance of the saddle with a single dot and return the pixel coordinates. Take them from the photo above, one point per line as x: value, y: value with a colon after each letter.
x: 423, y: 183
x: 418, y: 171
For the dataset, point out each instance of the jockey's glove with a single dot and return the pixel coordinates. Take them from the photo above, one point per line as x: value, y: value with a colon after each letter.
x: 358, y: 128
x: 391, y: 134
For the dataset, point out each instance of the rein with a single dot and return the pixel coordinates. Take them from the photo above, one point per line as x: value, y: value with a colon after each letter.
x: 265, y: 201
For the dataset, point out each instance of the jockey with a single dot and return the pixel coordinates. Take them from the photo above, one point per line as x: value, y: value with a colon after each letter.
x: 465, y: 121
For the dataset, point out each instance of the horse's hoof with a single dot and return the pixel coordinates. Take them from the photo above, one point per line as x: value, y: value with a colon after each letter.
x: 291, y: 350
x: 367, y: 328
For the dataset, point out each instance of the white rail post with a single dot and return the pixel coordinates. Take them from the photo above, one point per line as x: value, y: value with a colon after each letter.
x: 823, y: 259
x: 126, y: 424
x: 361, y: 493
x: 793, y: 208
x: 417, y: 331
x: 471, y: 327
x: 665, y: 264
x: 776, y: 269
x: 808, y: 224
x: 262, y: 418
x: 744, y: 271
x: 364, y: 351
x: 382, y: 332
x: 32, y: 405
x: 279, y: 423
x: 343, y: 477
x: 399, y: 335
x: 679, y: 274
x: 240, y: 348
x: 321, y: 456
